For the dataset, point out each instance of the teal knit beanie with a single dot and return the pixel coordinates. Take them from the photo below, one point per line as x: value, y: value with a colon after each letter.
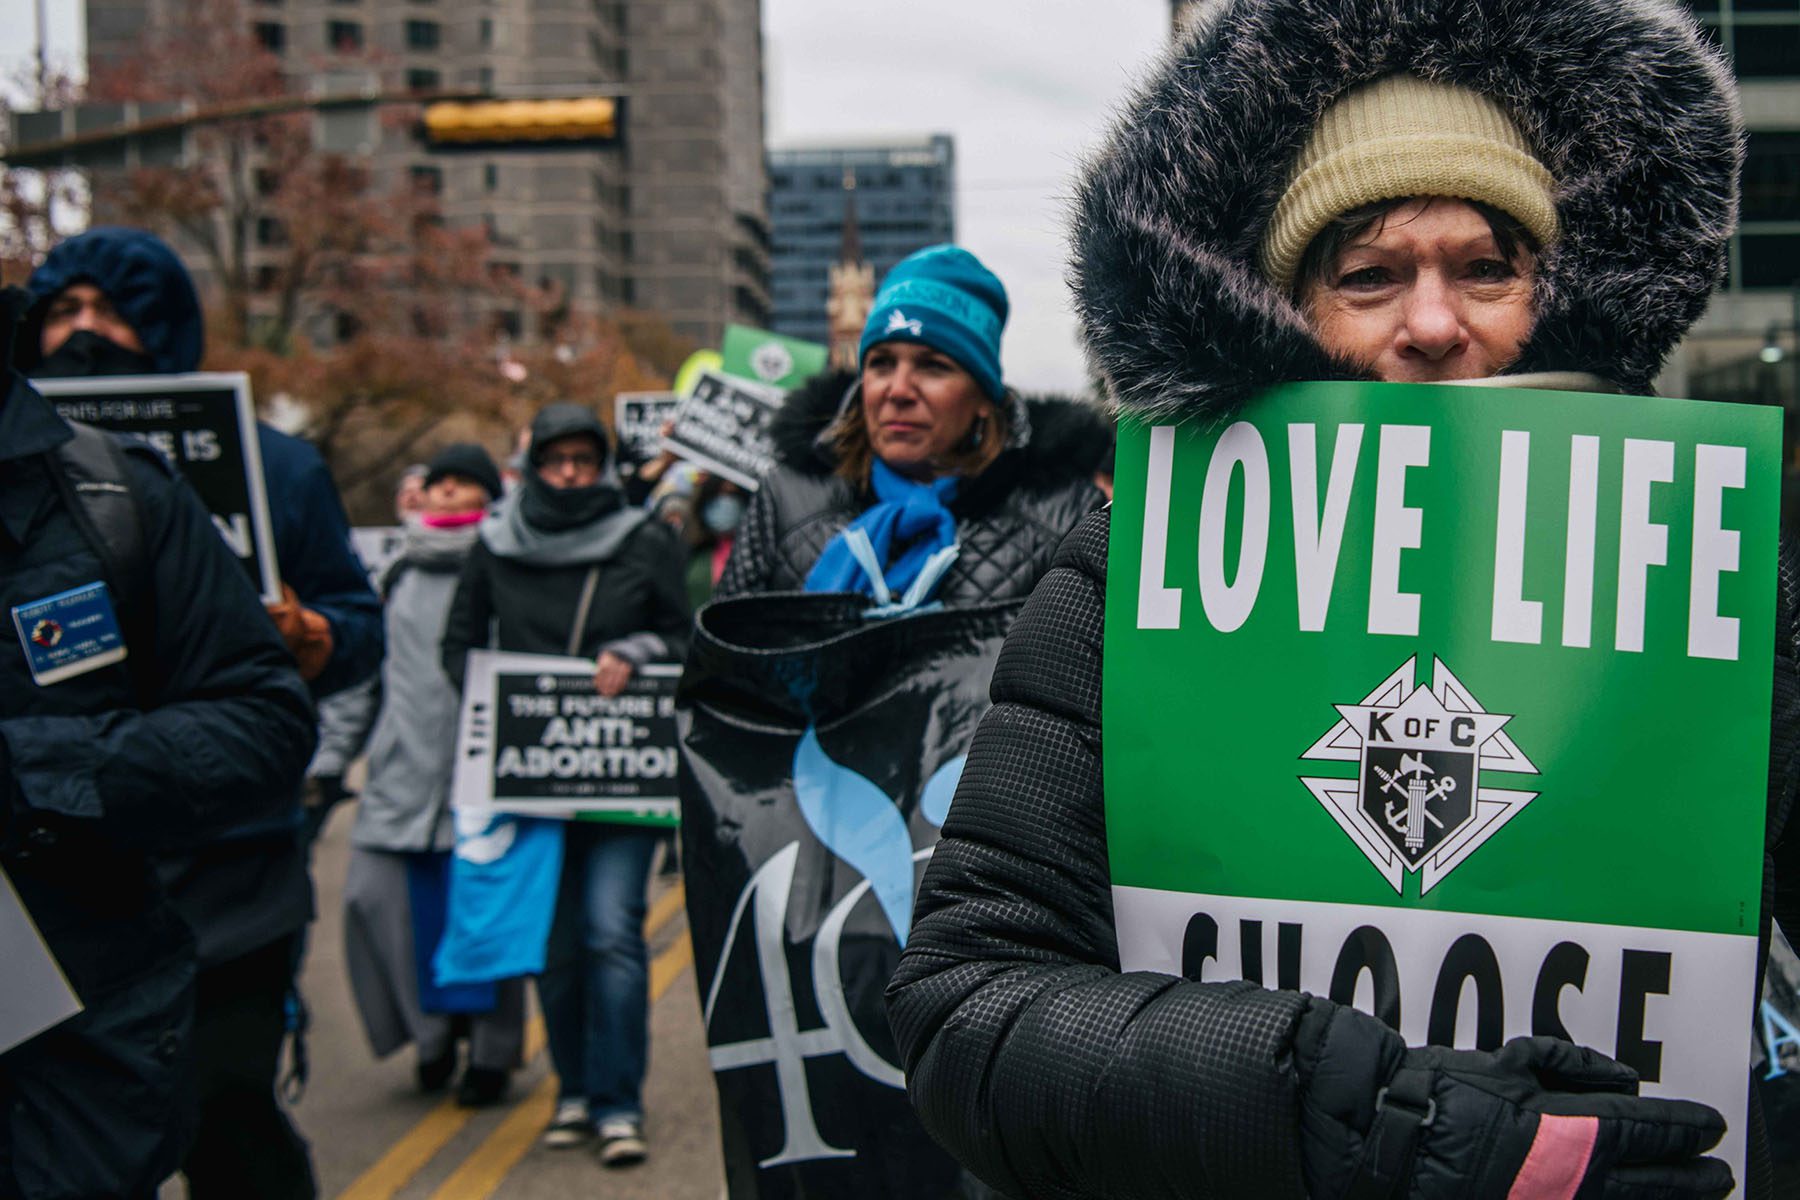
x: 943, y: 297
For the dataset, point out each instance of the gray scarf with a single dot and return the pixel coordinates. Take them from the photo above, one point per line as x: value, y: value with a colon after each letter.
x: 437, y: 549
x: 507, y: 534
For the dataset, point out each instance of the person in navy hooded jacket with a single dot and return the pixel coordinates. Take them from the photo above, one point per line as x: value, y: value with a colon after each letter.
x: 116, y: 301
x: 105, y: 764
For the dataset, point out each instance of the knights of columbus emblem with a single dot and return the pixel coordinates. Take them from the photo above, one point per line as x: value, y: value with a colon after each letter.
x: 1417, y: 802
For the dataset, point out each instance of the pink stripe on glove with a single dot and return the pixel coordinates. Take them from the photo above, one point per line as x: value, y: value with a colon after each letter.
x: 1558, y: 1159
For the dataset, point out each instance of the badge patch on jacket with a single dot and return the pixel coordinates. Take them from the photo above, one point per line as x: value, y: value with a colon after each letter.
x: 69, y: 634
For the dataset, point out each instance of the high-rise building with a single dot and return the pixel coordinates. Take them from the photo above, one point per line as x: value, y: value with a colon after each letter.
x: 1746, y: 346
x: 671, y: 217
x: 905, y: 200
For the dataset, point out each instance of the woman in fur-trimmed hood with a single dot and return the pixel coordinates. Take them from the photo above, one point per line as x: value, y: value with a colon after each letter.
x: 1403, y: 190
x: 923, y: 449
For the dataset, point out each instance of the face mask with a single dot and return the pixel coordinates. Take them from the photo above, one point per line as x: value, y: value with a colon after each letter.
x: 722, y: 513
x: 87, y: 354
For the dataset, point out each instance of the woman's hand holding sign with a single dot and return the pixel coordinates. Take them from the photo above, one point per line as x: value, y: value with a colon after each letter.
x: 1557, y: 1120
x: 611, y: 674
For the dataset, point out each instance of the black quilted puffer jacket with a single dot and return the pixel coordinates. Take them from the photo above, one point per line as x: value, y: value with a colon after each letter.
x: 1049, y: 1073
x: 1009, y: 519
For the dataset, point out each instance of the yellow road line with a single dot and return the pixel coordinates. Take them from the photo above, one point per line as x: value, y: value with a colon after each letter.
x: 486, y: 1169
x: 666, y: 967
x: 420, y: 1144
x: 408, y: 1156
x: 665, y: 908
x: 483, y: 1171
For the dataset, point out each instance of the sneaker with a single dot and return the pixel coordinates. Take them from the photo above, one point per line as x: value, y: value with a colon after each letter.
x: 569, y: 1126
x: 481, y: 1087
x: 621, y: 1142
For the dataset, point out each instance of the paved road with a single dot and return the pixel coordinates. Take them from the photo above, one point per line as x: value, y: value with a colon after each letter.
x: 375, y: 1138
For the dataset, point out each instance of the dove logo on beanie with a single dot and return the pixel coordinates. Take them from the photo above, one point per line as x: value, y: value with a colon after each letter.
x: 897, y: 323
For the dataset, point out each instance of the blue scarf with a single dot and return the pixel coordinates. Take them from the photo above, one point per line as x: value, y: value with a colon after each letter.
x: 914, y: 515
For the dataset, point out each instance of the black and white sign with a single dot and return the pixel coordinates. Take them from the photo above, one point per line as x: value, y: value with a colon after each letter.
x: 638, y: 420
x: 206, y: 426
x: 723, y: 426
x: 37, y: 993
x: 536, y: 738
x: 379, y: 547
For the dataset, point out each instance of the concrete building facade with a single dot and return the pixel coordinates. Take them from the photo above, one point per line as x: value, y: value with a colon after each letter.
x: 905, y: 199
x: 669, y: 218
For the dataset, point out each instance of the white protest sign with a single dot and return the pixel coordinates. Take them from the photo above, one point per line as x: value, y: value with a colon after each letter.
x: 37, y: 994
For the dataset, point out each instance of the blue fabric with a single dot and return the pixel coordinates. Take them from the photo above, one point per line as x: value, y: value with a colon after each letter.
x: 856, y: 821
x: 146, y: 283
x: 911, y: 517
x: 312, y: 547
x: 428, y: 896
x: 595, y: 987
x: 945, y: 298
x: 502, y: 897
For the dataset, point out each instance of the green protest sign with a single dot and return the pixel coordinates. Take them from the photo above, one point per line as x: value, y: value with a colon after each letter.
x: 770, y: 358
x: 1453, y: 703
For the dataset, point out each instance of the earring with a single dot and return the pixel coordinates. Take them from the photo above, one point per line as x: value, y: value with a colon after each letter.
x: 978, y: 432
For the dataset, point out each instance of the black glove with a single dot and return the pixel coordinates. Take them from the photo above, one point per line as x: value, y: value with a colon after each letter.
x: 1539, y: 1113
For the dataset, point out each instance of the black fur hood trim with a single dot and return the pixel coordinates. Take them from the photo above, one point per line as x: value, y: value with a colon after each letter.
x: 1059, y: 439
x: 1634, y: 115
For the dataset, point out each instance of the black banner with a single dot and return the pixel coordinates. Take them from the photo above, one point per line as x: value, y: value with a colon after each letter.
x: 638, y: 420
x: 206, y: 426
x: 1775, y: 1061
x: 723, y: 426
x: 819, y: 754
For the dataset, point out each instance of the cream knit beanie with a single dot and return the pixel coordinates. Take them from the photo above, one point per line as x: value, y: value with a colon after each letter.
x: 1401, y: 137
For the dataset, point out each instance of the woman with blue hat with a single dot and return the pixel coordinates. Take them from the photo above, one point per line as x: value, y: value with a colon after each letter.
x: 879, y: 473
x: 921, y: 500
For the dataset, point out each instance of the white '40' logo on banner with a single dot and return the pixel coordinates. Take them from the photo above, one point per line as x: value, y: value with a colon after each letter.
x: 861, y: 825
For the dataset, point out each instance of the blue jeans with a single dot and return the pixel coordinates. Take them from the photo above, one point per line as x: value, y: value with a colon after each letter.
x: 595, y: 989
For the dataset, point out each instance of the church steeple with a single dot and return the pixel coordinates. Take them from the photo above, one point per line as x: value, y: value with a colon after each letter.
x: 851, y: 251
x: 850, y: 292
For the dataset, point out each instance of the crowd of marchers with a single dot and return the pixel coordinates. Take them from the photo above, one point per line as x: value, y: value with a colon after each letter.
x: 1412, y: 191
x: 199, y: 769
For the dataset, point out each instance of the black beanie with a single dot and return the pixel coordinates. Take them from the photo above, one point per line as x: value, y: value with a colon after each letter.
x: 468, y: 460
x: 565, y: 420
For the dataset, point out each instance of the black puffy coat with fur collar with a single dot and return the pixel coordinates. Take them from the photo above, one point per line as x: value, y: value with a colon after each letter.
x: 1009, y: 519
x: 1042, y: 1067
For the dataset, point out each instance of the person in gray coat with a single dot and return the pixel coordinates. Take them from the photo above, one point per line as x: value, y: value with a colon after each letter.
x: 395, y: 897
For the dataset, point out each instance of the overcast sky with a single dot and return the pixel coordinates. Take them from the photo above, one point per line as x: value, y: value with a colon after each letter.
x: 1025, y: 86
x: 63, y: 20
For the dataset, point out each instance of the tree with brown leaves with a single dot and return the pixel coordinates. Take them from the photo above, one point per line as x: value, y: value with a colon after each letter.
x: 292, y: 239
